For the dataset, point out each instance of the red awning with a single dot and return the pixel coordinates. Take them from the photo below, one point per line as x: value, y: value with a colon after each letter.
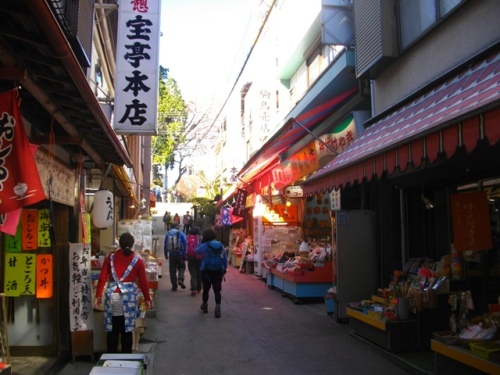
x: 289, y: 135
x: 439, y: 121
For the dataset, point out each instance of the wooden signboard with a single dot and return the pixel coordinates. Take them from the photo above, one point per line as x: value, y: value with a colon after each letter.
x: 471, y: 221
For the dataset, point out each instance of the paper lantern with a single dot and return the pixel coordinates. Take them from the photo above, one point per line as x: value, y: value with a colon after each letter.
x: 103, y: 212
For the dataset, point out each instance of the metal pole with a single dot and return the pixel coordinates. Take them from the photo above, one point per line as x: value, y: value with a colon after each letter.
x: 317, y: 138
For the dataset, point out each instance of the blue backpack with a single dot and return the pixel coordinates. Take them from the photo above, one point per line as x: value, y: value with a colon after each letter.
x: 214, y: 260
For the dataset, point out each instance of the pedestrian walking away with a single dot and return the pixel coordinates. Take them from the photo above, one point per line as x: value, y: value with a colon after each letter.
x: 122, y: 271
x: 174, y: 249
x: 194, y: 260
x: 167, y: 220
x: 187, y: 221
x: 177, y: 219
x: 213, y: 268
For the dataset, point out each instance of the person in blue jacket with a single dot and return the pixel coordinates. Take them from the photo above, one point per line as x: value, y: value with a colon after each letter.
x: 213, y: 268
x: 174, y: 249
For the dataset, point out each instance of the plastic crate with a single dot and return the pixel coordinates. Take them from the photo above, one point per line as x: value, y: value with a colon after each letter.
x: 484, y: 349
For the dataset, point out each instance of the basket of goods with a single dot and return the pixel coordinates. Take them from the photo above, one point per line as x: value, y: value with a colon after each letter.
x: 480, y: 329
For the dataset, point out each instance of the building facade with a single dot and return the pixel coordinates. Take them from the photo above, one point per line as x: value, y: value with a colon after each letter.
x: 60, y: 57
x: 420, y: 79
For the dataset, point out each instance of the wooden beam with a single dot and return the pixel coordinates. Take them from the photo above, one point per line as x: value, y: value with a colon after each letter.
x: 13, y: 73
x: 66, y: 140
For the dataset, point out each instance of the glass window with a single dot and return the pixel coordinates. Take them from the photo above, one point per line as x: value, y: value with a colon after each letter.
x: 418, y: 16
x: 314, y: 68
x: 445, y: 6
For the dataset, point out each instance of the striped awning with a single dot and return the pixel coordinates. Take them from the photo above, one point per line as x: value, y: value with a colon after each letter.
x: 459, y: 112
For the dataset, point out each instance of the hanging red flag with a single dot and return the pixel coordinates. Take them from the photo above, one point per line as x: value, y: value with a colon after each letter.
x: 9, y: 221
x: 20, y: 183
x: 234, y: 219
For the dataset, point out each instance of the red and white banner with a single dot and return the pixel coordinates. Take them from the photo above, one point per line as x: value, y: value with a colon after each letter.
x: 20, y: 183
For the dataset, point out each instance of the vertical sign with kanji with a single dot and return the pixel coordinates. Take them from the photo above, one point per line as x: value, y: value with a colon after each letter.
x: 19, y: 274
x: 471, y: 221
x: 29, y: 229
x: 239, y: 207
x: 80, y: 288
x: 44, y: 276
x: 13, y: 243
x: 137, y: 65
x: 43, y: 228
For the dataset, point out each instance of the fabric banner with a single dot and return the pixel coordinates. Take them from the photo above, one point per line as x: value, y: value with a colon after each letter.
x: 9, y: 222
x: 20, y: 183
x: 239, y: 207
x: 226, y: 215
x: 234, y: 219
x: 471, y: 221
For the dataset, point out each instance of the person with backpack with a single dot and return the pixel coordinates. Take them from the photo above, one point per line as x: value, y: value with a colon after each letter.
x: 213, y: 268
x: 194, y: 260
x: 167, y: 220
x: 174, y: 249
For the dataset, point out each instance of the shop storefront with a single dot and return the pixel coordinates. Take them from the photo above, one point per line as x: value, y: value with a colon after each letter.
x: 290, y: 235
x: 429, y: 172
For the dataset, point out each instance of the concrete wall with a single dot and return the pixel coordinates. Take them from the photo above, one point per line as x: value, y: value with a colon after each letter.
x: 474, y: 27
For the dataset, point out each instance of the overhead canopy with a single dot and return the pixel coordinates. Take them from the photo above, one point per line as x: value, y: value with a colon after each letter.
x: 55, y: 92
x: 458, y: 112
x: 261, y: 163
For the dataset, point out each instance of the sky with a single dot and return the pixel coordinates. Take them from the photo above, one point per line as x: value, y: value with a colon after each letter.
x: 201, y: 44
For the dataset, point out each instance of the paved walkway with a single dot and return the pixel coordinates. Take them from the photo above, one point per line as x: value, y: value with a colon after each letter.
x: 259, y: 332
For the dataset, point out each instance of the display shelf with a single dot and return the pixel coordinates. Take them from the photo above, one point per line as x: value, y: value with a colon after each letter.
x: 463, y: 356
x: 377, y: 323
x: 311, y: 284
x: 378, y: 299
x: 393, y: 336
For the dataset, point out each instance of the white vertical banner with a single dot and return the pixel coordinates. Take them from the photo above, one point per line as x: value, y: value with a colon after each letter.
x: 137, y: 67
x: 80, y: 288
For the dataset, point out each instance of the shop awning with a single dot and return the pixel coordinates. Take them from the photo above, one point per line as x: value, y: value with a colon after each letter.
x: 124, y: 184
x: 458, y: 112
x: 226, y: 196
x: 291, y: 133
x: 55, y: 92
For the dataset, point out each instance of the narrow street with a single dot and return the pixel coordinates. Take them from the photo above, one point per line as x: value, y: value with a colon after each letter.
x: 259, y: 332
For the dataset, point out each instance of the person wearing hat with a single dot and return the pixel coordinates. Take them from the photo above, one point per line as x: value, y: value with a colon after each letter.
x: 174, y: 249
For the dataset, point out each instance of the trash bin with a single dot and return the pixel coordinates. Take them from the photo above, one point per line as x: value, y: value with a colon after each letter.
x: 249, y: 266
